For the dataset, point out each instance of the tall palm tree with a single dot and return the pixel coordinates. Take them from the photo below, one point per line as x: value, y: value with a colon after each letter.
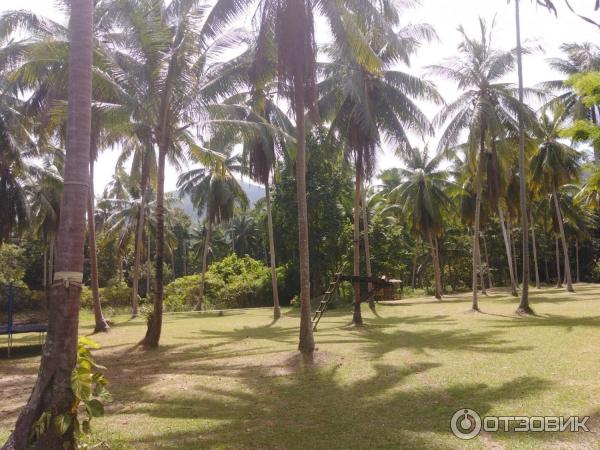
x: 286, y: 42
x: 485, y: 109
x: 264, y: 130
x: 422, y: 198
x: 214, y: 190
x: 524, y: 303
x: 366, y: 106
x: 39, y: 63
x: 166, y: 56
x: 553, y: 165
x: 52, y: 390
x: 17, y: 147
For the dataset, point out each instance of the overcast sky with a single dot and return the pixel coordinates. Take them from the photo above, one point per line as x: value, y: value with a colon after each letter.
x: 538, y: 25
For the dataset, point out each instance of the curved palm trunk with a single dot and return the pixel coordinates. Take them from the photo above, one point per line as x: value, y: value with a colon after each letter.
x: 276, y: 307
x: 357, y: 316
x: 563, y: 239
x: 577, y: 280
x: 546, y: 272
x: 476, y: 225
x: 436, y: 267
x: 535, y: 258
x: 557, y: 252
x: 139, y: 236
x: 200, y: 304
x: 524, y: 303
x: 413, y: 281
x: 481, y: 271
x: 365, y: 221
x: 514, y: 253
x: 100, y: 322
x: 487, y: 262
x: 155, y: 323
x: 52, y: 390
x: 306, y: 343
x: 149, y: 263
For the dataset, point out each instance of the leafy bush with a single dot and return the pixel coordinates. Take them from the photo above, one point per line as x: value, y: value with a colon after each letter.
x: 182, y: 294
x: 234, y: 282
x: 12, y: 265
x: 117, y: 294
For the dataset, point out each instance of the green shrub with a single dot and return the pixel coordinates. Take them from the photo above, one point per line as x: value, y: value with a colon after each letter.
x: 182, y: 294
x: 116, y: 294
x: 86, y: 297
x: 234, y: 282
x: 12, y: 265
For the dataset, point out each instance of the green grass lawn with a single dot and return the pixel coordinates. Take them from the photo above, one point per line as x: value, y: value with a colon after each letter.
x: 235, y: 382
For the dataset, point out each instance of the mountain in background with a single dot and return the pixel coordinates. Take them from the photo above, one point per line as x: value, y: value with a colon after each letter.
x: 253, y: 191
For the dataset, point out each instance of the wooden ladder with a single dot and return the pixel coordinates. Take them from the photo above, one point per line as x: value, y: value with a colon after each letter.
x: 327, y: 297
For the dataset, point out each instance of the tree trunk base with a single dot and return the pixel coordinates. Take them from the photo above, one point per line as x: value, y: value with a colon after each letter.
x: 102, y: 327
x: 570, y: 289
x: 276, y: 312
x: 525, y: 311
x: 357, y: 316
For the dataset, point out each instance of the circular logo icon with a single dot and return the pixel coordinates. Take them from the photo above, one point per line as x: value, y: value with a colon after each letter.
x: 465, y: 424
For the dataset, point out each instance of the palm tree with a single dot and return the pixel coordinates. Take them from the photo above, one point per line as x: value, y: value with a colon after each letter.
x: 39, y: 64
x: 264, y: 129
x: 213, y: 189
x: 485, y: 109
x: 286, y: 41
x: 44, y: 194
x: 52, y: 390
x: 244, y: 234
x: 17, y: 146
x: 524, y: 303
x: 579, y: 58
x: 422, y: 198
x: 553, y: 165
x: 165, y: 54
x: 366, y: 106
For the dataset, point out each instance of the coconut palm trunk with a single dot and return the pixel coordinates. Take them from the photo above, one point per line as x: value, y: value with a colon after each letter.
x: 476, y: 222
x: 365, y: 221
x: 306, y: 343
x: 45, y: 275
x: 481, y: 271
x: 511, y: 238
x: 487, y: 262
x: 524, y: 303
x: 100, y: 322
x: 546, y: 271
x: 200, y: 303
x: 577, y: 279
x: 413, y: 280
x: 139, y: 236
x: 357, y: 316
x: 557, y: 253
x: 276, y: 307
x: 436, y: 267
x: 535, y: 258
x: 563, y: 239
x: 52, y: 389
x: 155, y: 322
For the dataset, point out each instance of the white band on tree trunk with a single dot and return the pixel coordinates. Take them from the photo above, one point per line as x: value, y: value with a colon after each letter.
x: 68, y: 277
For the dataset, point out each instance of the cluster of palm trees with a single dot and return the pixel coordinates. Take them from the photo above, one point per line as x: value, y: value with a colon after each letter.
x: 158, y: 81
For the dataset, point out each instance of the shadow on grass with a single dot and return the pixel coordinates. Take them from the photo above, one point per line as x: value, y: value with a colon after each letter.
x: 312, y: 409
x: 550, y: 320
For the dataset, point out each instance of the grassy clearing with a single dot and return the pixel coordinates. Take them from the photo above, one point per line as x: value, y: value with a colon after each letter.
x: 234, y: 381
